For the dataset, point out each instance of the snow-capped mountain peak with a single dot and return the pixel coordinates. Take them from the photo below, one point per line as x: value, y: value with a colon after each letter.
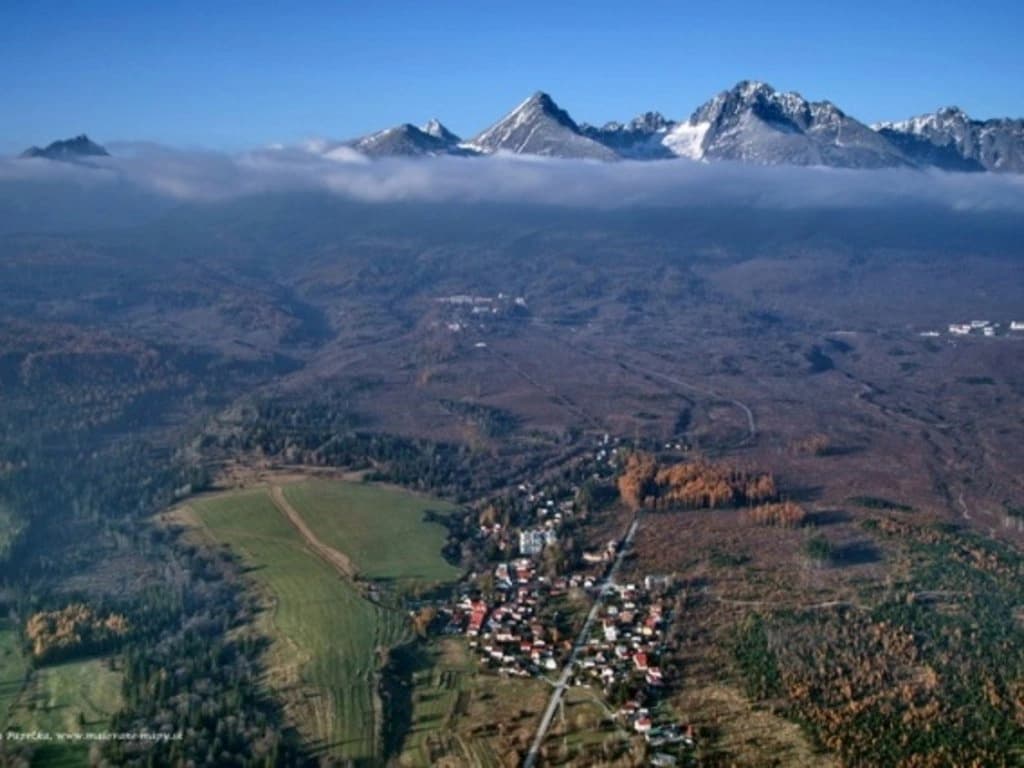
x: 438, y: 130
x: 538, y: 126
x: 753, y: 122
x: 752, y: 96
x: 540, y: 106
x: 405, y: 139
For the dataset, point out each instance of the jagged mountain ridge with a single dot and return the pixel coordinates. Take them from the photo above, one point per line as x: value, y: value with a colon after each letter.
x: 752, y: 123
x: 640, y: 138
x: 951, y: 135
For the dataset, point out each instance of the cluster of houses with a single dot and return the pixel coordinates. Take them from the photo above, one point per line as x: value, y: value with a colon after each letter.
x: 510, y: 638
x: 501, y: 623
x: 626, y: 641
x: 504, y: 628
x: 658, y: 736
x: 465, y: 308
x: 506, y: 631
x: 511, y: 625
x: 543, y: 513
x: 530, y: 541
x: 978, y: 328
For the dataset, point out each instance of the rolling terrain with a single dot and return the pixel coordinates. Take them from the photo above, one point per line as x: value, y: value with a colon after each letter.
x: 462, y: 354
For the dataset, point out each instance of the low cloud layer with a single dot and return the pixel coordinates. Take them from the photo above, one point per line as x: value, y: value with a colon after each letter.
x: 210, y: 176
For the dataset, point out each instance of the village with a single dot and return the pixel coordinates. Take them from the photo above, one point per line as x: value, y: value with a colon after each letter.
x: 468, y: 311
x: 984, y: 328
x: 525, y: 617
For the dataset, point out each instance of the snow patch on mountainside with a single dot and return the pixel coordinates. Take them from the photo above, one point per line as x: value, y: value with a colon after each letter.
x: 687, y: 140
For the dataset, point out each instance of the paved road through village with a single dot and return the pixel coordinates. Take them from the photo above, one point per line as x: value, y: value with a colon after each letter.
x: 581, y: 639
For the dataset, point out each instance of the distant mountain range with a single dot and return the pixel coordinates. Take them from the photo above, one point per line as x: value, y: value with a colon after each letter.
x: 752, y: 122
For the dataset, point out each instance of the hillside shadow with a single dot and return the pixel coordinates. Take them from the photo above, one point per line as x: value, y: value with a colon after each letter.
x: 805, y: 494
x: 842, y: 450
x: 397, y: 685
x: 857, y: 553
x: 828, y: 517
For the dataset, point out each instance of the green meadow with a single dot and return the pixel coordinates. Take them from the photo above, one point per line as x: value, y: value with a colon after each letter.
x: 12, y: 669
x: 71, y: 697
x: 328, y: 639
x: 381, y: 529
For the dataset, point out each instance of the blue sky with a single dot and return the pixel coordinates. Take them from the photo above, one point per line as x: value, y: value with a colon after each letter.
x: 231, y: 75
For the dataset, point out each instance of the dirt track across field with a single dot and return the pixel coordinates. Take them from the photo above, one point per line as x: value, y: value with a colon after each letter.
x: 337, y: 560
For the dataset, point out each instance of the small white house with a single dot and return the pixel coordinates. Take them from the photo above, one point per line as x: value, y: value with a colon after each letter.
x: 611, y: 632
x: 532, y: 541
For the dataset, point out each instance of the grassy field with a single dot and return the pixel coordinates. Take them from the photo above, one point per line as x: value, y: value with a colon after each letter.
x: 327, y: 637
x: 380, y: 529
x: 462, y: 717
x: 72, y: 697
x: 12, y: 669
x: 438, y: 688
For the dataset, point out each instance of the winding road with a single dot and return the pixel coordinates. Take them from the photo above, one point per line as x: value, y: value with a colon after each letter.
x: 650, y: 373
x: 747, y: 410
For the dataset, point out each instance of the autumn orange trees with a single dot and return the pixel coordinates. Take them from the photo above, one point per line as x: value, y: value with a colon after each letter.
x: 783, y: 514
x: 76, y: 628
x: 636, y: 481
x: 643, y: 483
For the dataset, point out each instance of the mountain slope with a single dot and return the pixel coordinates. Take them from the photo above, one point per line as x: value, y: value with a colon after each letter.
x: 538, y: 126
x: 407, y: 140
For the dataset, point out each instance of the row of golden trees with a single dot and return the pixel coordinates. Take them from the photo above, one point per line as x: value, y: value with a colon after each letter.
x: 783, y: 514
x: 698, y: 484
x: 76, y: 628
